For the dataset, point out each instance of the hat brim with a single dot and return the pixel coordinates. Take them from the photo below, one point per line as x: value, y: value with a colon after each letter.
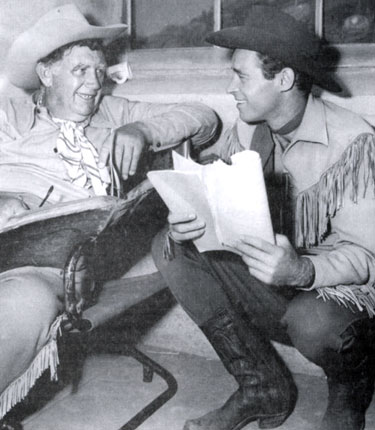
x: 262, y: 40
x: 31, y: 46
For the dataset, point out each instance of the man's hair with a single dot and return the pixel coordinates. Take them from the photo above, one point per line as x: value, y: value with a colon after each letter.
x: 271, y: 67
x: 58, y: 54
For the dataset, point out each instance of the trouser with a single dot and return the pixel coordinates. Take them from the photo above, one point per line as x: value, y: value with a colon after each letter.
x: 203, y: 283
x: 31, y: 298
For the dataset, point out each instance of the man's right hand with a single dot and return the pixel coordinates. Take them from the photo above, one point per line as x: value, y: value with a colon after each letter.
x: 184, y: 227
x: 10, y: 207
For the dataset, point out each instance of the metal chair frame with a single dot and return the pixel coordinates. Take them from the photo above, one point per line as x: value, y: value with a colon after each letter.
x: 74, y: 317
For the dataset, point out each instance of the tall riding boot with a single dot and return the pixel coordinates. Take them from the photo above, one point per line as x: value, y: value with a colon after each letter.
x: 350, y: 378
x: 266, y: 390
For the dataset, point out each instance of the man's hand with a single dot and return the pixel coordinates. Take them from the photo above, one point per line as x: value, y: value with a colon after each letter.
x: 10, y: 207
x: 129, y: 143
x: 278, y: 264
x: 184, y: 227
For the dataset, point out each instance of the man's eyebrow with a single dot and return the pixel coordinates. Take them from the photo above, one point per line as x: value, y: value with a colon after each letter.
x: 85, y: 65
x: 238, y: 71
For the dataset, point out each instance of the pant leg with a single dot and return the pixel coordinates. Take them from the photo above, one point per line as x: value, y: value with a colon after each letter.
x: 30, y: 300
x: 205, y: 282
x: 316, y: 327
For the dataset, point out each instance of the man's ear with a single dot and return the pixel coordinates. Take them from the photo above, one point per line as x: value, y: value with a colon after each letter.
x: 287, y: 78
x: 45, y: 74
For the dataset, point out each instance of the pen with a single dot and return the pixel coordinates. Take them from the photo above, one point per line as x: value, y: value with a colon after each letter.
x: 50, y: 189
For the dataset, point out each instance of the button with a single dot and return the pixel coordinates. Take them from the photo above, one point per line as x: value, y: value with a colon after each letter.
x: 158, y: 145
x: 55, y: 150
x: 37, y: 110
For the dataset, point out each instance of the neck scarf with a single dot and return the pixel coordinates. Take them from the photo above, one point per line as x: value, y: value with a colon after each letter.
x: 81, y: 158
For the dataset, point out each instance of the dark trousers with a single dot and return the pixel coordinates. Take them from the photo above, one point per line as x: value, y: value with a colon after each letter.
x: 204, y: 283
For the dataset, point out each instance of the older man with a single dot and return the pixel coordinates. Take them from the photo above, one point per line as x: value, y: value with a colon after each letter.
x: 66, y: 135
x: 277, y: 290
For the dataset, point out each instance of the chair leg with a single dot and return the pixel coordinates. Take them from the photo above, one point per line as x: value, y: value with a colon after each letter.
x: 149, y: 367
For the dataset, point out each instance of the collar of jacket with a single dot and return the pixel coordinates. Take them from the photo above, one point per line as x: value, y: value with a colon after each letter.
x: 27, y: 110
x: 313, y: 127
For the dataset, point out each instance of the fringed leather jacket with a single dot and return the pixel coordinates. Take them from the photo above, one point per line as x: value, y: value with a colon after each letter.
x: 330, y: 164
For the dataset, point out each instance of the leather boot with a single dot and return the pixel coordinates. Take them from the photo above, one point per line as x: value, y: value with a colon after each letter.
x: 350, y: 378
x: 266, y: 390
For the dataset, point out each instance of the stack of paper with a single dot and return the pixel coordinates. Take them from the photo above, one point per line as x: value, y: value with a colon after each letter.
x: 231, y: 199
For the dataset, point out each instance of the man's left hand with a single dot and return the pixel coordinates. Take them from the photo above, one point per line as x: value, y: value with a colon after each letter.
x: 277, y: 264
x: 129, y: 144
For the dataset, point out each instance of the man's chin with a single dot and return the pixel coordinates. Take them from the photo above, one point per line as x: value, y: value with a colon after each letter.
x: 84, y: 114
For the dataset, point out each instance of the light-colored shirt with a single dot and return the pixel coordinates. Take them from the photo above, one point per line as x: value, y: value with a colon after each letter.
x: 331, y: 164
x: 30, y: 164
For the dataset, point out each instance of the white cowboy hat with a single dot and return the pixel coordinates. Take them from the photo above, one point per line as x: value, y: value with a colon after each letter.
x: 62, y: 25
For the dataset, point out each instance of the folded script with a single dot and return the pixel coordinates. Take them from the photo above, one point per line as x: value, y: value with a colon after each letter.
x: 231, y: 199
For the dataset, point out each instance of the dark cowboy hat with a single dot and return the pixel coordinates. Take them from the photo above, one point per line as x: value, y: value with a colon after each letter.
x: 58, y: 27
x: 277, y: 34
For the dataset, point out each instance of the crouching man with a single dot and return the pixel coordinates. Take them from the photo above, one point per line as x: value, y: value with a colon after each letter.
x: 314, y: 291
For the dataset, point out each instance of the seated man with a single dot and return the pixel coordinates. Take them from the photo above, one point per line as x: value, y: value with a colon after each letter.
x: 317, y: 294
x: 67, y: 136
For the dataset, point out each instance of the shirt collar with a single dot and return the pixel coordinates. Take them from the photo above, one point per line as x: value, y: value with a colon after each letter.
x: 313, y: 127
x: 97, y: 120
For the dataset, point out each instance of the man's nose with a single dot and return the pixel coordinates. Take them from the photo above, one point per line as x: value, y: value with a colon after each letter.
x: 93, y: 80
x: 233, y: 85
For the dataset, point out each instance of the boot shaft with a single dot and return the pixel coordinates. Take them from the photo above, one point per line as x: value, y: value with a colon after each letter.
x: 350, y: 378
x: 248, y: 356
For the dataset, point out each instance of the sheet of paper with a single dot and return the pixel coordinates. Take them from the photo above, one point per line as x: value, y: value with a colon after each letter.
x: 238, y: 198
x: 231, y: 199
x: 183, y: 192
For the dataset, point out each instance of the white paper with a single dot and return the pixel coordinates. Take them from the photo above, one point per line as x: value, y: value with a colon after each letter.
x: 231, y: 199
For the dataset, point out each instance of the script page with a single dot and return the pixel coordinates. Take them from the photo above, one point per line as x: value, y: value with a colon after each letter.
x: 238, y: 198
x: 183, y: 192
x: 231, y: 199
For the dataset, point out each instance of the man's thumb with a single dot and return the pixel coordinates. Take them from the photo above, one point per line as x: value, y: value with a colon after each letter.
x: 282, y: 240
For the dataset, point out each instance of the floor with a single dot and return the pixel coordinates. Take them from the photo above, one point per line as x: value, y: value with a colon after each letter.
x: 111, y: 391
x: 107, y: 388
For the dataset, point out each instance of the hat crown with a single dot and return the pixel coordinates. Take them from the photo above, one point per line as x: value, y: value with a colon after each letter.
x: 279, y: 35
x: 58, y: 27
x: 68, y: 11
x: 287, y: 28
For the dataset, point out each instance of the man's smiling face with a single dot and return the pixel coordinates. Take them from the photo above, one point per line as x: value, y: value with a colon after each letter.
x: 257, y: 97
x: 76, y: 84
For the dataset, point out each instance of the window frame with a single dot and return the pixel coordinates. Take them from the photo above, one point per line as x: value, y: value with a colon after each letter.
x: 211, y: 62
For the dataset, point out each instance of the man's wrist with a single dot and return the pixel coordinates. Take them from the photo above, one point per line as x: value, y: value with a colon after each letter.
x: 142, y: 128
x: 306, y: 276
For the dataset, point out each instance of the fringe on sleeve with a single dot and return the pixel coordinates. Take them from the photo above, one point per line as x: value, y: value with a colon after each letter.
x: 318, y: 204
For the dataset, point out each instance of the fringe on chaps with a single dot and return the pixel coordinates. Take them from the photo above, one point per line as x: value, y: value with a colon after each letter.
x: 46, y: 358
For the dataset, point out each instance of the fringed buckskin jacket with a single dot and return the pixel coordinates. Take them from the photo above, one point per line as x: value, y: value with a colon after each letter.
x: 330, y: 163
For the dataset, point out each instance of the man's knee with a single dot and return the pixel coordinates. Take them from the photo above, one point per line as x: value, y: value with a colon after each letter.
x: 172, y: 258
x: 29, y: 304
x: 314, y: 326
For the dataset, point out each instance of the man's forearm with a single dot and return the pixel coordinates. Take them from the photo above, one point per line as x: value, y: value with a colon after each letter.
x: 196, y: 122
